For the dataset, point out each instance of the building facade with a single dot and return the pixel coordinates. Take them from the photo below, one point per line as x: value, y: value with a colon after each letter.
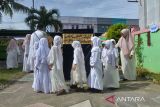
x: 99, y: 25
x: 149, y: 13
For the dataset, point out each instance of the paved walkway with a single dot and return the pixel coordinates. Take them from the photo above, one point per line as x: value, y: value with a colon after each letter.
x: 131, y: 94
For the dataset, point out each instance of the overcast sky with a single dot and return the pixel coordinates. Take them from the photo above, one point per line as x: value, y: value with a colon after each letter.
x: 85, y: 8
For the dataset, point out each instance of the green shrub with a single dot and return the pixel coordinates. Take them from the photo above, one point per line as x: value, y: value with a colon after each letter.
x: 3, y: 45
x: 144, y: 73
x: 114, y: 31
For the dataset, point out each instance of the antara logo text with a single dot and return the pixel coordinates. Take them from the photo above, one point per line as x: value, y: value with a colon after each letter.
x: 113, y: 99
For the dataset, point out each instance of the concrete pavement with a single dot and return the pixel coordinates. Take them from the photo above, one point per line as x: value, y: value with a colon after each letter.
x: 131, y: 94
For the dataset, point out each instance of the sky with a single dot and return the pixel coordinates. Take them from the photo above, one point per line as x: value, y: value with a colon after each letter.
x: 84, y: 8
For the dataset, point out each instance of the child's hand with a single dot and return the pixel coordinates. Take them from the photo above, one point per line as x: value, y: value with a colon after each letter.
x: 50, y: 66
x: 74, y: 67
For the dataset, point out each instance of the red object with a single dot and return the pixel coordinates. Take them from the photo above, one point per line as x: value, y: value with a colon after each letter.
x: 111, y: 99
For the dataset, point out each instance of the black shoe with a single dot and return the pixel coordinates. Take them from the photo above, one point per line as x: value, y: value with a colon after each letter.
x: 61, y: 93
x: 96, y: 90
x: 30, y: 72
x: 112, y: 88
x: 125, y: 79
x: 73, y: 86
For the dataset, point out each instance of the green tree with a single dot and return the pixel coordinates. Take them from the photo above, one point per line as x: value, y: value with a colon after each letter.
x: 8, y: 6
x: 139, y: 52
x: 114, y: 31
x: 44, y: 17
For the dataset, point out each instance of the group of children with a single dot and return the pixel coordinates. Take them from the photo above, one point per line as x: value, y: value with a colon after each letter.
x: 47, y: 63
x: 48, y: 67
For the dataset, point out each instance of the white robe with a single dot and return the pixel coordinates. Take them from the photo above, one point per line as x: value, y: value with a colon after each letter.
x: 103, y: 55
x: 34, y: 57
x: 12, y: 58
x: 42, y: 82
x: 111, y: 75
x: 128, y: 66
x: 26, y: 52
x: 95, y: 77
x: 21, y: 56
x: 79, y: 74
x: 35, y: 37
x: 57, y: 76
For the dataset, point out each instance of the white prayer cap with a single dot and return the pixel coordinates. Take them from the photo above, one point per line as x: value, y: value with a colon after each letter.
x: 96, y: 41
x: 76, y: 44
x: 57, y: 40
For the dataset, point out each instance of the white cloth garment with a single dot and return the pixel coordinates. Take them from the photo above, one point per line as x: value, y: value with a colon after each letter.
x: 111, y: 75
x: 26, y: 53
x: 42, y: 80
x: 21, y: 56
x: 95, y: 78
x: 12, y: 54
x: 78, y: 76
x: 116, y: 55
x: 104, y: 50
x: 35, y: 37
x: 36, y: 45
x: 55, y: 59
x: 128, y: 65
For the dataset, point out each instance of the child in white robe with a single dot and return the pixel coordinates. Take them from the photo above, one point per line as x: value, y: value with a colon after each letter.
x: 55, y: 61
x: 42, y: 82
x: 110, y: 79
x: 26, y: 44
x: 96, y: 74
x: 117, y: 56
x: 12, y: 54
x: 36, y: 45
x: 78, y: 72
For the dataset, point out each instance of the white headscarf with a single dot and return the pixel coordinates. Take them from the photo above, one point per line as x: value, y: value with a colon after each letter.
x: 12, y: 45
x: 27, y: 40
x: 96, y: 41
x: 113, y: 41
x: 110, y: 53
x: 57, y: 43
x: 43, y: 49
x: 76, y: 44
x: 77, y: 47
x: 115, y: 49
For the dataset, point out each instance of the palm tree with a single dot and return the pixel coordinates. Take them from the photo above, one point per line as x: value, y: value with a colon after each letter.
x: 8, y: 6
x: 45, y: 18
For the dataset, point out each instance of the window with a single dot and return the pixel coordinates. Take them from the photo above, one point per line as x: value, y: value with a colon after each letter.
x: 88, y: 27
x: 72, y: 26
x: 76, y: 26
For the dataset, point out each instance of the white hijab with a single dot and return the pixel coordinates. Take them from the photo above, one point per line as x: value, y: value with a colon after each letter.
x: 12, y: 45
x: 59, y: 59
x: 43, y: 49
x: 110, y: 53
x: 78, y: 48
x: 26, y: 40
x: 96, y: 43
x: 114, y: 47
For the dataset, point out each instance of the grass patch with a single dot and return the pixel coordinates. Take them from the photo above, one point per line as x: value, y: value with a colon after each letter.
x: 8, y: 77
x: 145, y: 74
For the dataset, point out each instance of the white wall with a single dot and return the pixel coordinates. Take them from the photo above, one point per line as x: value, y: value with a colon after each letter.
x: 149, y: 12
